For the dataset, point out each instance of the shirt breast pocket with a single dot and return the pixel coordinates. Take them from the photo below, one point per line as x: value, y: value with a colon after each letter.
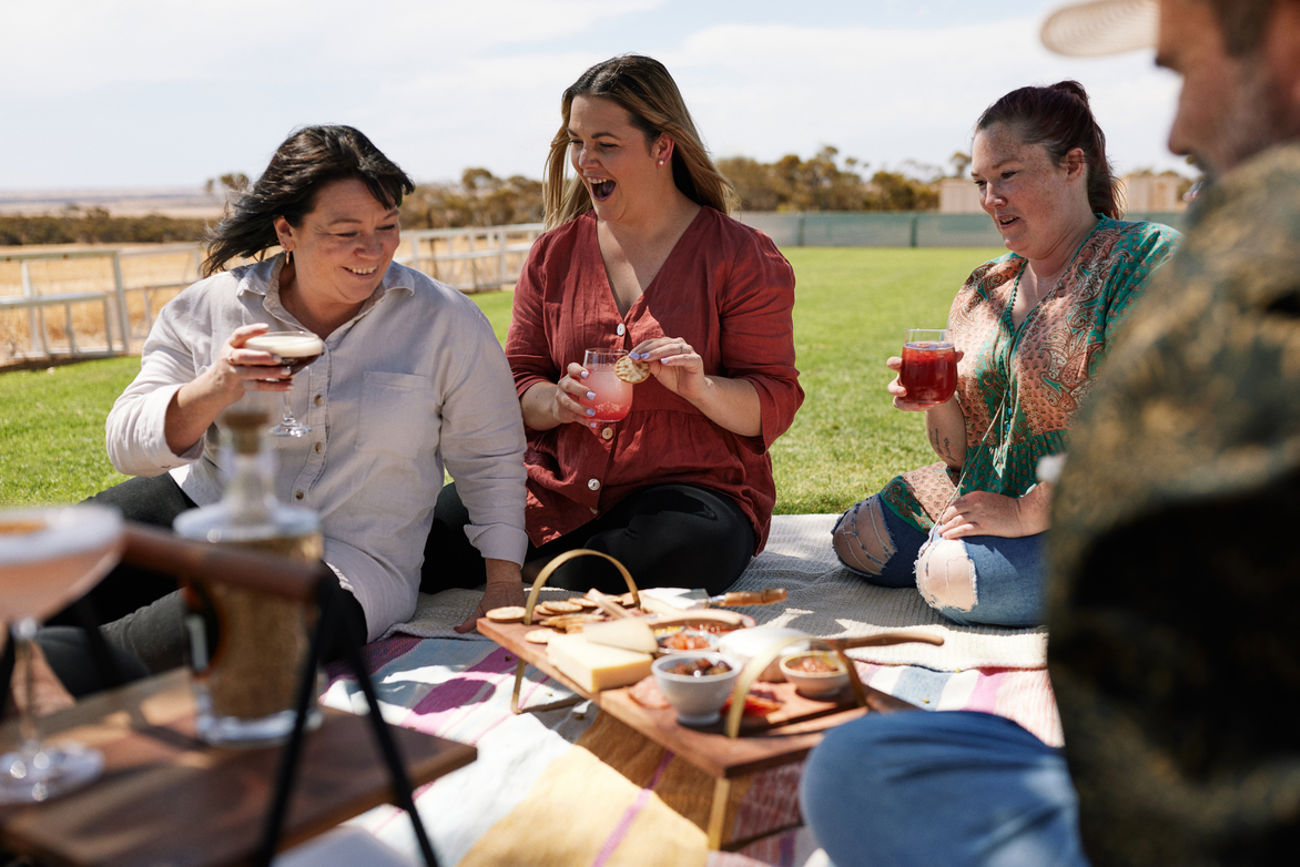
x: 397, y: 413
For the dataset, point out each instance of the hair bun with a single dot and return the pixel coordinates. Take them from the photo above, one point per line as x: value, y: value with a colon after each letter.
x: 1072, y: 87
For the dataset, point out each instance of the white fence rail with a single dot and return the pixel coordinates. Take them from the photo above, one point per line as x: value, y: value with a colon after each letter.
x: 101, y: 301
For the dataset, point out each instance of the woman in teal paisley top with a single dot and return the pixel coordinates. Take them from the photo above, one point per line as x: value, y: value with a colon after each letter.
x: 1031, y: 327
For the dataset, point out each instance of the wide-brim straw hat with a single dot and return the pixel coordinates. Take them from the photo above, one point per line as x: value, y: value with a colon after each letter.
x: 1101, y: 27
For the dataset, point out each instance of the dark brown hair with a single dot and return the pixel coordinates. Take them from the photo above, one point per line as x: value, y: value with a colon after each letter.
x: 643, y: 87
x: 1059, y: 118
x: 307, y: 160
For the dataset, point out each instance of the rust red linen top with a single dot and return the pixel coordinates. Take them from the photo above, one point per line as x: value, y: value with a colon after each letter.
x: 728, y: 292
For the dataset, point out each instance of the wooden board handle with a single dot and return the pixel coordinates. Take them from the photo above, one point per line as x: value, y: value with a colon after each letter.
x: 881, y: 638
x: 752, y: 597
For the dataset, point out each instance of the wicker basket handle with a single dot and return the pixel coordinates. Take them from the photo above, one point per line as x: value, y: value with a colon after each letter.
x: 559, y: 561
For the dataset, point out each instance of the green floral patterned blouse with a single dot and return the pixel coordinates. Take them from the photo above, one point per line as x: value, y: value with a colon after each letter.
x: 1020, y: 385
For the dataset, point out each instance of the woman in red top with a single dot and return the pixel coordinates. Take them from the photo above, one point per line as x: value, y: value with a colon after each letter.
x: 642, y: 257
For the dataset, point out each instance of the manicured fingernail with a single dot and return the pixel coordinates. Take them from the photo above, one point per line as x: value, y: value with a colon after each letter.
x: 591, y: 412
x: 583, y: 374
x: 591, y: 395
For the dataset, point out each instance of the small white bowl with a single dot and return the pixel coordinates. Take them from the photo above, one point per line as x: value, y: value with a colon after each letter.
x: 698, y: 699
x: 815, y: 684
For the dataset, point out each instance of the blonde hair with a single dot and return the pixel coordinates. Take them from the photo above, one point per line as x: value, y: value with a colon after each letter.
x: 643, y: 87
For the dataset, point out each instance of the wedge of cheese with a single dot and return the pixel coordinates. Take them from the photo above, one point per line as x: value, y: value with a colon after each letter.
x: 631, y: 633
x: 596, y: 666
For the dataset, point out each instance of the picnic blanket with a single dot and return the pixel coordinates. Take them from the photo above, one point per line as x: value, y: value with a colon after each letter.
x: 574, y: 786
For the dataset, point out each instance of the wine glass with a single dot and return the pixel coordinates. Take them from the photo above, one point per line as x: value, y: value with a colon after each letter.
x: 296, y: 350
x: 49, y: 556
x: 613, y: 396
x: 929, y: 371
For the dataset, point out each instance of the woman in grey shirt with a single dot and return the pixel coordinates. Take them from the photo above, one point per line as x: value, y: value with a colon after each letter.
x: 411, y: 381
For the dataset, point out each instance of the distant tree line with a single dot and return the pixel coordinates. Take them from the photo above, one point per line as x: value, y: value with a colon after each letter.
x: 824, y: 182
x: 96, y: 225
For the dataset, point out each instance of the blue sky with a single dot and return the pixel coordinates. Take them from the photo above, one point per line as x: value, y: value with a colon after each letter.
x: 153, y: 93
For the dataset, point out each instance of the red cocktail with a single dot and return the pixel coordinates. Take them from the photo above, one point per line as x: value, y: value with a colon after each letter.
x: 929, y: 371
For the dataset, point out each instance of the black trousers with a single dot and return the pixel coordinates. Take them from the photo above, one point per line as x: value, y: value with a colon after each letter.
x: 141, y: 611
x: 664, y: 535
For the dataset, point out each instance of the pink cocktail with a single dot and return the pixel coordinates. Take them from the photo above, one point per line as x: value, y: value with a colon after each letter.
x: 613, y: 396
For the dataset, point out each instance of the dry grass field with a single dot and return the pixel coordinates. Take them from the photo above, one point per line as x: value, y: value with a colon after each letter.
x: 152, y: 274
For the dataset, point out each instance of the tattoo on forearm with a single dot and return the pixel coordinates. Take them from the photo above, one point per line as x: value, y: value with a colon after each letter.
x: 941, y: 444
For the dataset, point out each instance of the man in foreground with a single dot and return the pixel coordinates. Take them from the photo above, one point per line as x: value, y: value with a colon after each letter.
x: 1174, y: 601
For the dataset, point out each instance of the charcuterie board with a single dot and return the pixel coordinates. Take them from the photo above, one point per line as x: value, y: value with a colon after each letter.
x: 782, y: 736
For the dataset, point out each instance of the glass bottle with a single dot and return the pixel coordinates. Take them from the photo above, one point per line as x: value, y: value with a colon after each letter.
x: 249, y: 648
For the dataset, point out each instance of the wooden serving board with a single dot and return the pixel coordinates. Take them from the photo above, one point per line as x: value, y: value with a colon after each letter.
x: 784, y: 736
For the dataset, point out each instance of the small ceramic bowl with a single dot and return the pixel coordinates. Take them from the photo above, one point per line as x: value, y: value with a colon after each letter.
x: 697, y: 698
x: 816, y: 673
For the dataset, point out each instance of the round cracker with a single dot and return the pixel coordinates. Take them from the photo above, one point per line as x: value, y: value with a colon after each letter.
x: 630, y: 370
x: 570, y: 622
x: 565, y: 606
x: 506, y: 614
x: 538, y: 636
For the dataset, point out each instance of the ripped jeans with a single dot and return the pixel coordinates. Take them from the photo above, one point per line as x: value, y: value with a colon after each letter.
x: 977, y: 580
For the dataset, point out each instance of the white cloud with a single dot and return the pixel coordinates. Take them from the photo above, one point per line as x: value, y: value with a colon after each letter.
x: 144, y: 92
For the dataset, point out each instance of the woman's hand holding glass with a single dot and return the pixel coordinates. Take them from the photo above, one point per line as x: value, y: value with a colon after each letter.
x: 899, y: 393
x: 237, y: 370
x: 566, y: 405
x: 240, y: 368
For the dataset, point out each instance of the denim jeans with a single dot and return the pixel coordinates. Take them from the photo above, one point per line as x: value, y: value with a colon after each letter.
x: 1006, y: 576
x: 940, y: 787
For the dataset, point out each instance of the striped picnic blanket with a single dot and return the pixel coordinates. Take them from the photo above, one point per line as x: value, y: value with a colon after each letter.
x: 551, y: 771
x: 573, y: 786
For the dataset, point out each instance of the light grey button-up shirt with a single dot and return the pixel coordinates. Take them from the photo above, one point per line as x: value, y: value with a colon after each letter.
x: 414, y: 382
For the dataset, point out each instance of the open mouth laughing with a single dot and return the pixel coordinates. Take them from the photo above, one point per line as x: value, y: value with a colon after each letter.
x: 363, y: 272
x: 601, y: 189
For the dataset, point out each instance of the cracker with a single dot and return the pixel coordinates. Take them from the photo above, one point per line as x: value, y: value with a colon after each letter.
x: 538, y: 636
x: 506, y: 614
x: 564, y: 606
x: 630, y: 370
x: 571, y: 622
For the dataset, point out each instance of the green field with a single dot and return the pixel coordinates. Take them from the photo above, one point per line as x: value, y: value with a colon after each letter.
x: 851, y: 309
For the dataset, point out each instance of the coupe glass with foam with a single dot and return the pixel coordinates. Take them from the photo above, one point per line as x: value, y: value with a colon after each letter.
x: 296, y: 350
x: 49, y: 556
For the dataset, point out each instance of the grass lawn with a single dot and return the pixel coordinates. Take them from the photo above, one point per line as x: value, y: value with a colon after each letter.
x: 847, y: 440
